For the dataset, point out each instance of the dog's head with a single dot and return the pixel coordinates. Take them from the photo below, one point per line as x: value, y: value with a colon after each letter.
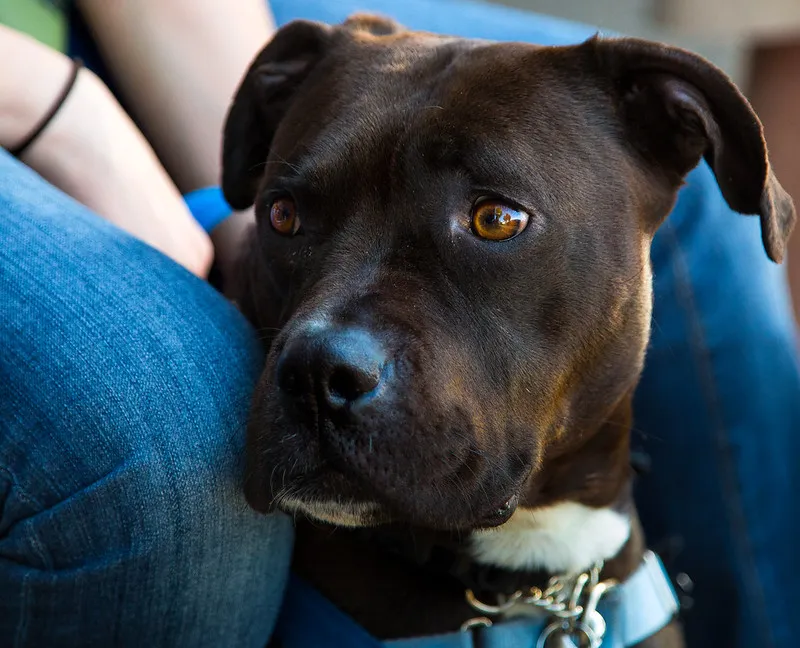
x: 451, y: 256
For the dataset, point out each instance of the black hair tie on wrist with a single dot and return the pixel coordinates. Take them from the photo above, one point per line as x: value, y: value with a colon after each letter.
x: 18, y: 150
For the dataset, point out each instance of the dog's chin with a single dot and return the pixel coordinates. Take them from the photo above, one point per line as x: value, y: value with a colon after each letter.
x: 328, y: 494
x: 342, y: 514
x: 324, y: 495
x: 330, y: 497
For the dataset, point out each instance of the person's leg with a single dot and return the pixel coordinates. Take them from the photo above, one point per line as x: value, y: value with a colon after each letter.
x: 718, y: 411
x: 124, y: 390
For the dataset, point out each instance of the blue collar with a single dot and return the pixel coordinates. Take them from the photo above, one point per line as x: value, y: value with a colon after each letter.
x: 633, y: 611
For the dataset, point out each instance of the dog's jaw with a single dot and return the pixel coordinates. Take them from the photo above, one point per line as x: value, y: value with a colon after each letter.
x: 567, y: 537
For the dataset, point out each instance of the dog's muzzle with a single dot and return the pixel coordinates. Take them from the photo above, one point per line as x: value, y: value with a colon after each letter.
x: 346, y: 415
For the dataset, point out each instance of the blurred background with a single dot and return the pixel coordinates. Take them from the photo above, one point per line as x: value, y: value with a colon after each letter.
x: 757, y: 42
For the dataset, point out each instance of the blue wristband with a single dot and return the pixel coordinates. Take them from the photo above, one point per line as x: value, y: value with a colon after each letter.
x: 208, y: 206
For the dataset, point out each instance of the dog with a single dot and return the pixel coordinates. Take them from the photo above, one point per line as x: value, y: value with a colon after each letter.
x: 451, y: 257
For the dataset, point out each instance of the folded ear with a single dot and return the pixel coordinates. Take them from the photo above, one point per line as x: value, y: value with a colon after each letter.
x: 261, y: 101
x: 676, y: 108
x: 373, y: 24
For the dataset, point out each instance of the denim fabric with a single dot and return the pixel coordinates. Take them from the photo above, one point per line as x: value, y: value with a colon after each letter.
x: 718, y: 408
x: 124, y: 390
x: 718, y: 411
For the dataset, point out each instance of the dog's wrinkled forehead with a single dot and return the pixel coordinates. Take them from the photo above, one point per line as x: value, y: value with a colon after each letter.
x: 362, y: 97
x: 650, y: 110
x: 400, y: 115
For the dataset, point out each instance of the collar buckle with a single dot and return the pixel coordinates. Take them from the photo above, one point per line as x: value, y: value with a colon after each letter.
x: 570, y: 600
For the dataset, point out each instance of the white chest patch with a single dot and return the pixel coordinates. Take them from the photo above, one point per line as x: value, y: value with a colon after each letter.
x: 563, y: 538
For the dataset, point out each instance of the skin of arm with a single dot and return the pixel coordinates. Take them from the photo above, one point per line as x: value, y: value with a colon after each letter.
x: 178, y: 64
x: 92, y: 150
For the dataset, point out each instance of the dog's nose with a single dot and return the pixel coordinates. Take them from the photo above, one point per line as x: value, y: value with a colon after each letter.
x: 335, y: 366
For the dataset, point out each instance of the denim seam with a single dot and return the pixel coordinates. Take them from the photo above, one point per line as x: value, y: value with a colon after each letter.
x: 725, y: 468
x: 22, y: 626
x: 23, y: 495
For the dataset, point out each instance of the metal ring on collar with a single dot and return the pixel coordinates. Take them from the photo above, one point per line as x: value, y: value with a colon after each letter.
x: 575, y: 632
x: 492, y: 609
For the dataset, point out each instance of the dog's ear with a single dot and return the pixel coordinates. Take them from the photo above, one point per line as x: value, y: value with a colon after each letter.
x: 372, y: 24
x: 676, y: 108
x: 261, y: 101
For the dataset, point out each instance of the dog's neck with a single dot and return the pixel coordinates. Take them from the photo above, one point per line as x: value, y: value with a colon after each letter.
x: 580, y: 510
x: 564, y: 538
x: 405, y: 582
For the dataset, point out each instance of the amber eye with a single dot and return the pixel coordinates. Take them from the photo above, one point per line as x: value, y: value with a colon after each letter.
x: 494, y: 221
x: 283, y: 217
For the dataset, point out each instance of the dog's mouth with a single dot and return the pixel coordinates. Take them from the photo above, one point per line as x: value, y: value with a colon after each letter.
x: 328, y: 495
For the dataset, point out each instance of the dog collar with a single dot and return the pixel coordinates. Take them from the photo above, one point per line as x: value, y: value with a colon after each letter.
x: 631, y: 612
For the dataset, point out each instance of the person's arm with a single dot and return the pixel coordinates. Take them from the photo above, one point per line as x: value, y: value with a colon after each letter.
x: 92, y: 151
x: 177, y: 64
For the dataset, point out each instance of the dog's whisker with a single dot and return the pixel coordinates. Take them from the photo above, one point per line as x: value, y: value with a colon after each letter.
x: 285, y: 162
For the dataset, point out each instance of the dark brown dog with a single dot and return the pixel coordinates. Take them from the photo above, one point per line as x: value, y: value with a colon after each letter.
x: 453, y: 251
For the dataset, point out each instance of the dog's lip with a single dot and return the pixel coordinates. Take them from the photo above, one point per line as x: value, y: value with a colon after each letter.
x: 326, y: 485
x: 328, y: 482
x: 321, y: 482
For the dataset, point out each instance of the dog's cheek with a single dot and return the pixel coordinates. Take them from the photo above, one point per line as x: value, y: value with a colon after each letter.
x: 278, y: 443
x: 275, y: 291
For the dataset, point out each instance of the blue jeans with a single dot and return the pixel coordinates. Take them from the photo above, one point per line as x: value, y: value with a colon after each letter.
x: 124, y: 391
x: 718, y: 408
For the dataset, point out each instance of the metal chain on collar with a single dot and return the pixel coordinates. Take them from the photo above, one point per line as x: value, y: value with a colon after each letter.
x: 571, y: 601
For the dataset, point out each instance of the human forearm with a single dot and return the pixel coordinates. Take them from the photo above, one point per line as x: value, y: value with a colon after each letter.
x: 92, y: 150
x: 23, y: 102
x: 178, y: 64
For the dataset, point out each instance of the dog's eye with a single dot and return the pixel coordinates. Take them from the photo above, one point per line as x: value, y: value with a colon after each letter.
x: 494, y: 221
x: 283, y: 217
